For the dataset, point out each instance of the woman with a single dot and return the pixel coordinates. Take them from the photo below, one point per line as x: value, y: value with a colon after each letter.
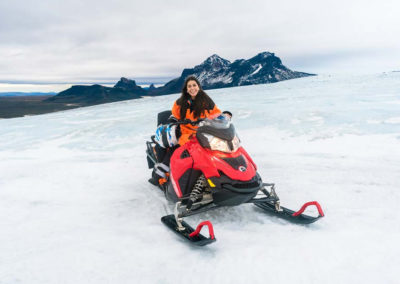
x: 193, y: 104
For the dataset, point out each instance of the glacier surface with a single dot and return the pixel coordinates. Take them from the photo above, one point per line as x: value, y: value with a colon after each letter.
x: 76, y: 207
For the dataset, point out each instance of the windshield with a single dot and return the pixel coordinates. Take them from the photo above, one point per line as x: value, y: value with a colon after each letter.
x: 219, y: 122
x: 217, y: 127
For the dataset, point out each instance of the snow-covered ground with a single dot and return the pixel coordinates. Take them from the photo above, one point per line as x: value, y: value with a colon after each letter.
x: 76, y: 207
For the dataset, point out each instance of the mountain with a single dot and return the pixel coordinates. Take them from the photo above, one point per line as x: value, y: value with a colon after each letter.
x: 130, y: 86
x: 23, y: 94
x: 216, y: 72
x: 125, y: 89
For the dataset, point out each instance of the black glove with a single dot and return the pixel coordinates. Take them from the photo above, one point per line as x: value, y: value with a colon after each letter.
x: 228, y: 113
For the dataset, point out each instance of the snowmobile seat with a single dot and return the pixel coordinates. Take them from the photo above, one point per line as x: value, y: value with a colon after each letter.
x: 162, y: 117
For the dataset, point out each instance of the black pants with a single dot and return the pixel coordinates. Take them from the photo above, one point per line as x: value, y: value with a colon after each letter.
x: 164, y: 158
x: 167, y: 157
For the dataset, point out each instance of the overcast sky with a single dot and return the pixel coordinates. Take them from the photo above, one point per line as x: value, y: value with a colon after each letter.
x: 100, y: 41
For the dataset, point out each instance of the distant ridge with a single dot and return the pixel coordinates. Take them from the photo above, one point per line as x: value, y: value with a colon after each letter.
x: 20, y: 94
x: 97, y: 94
x: 215, y: 72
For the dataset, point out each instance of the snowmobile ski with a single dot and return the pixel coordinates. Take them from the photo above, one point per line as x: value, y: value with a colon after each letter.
x: 290, y: 215
x: 188, y: 233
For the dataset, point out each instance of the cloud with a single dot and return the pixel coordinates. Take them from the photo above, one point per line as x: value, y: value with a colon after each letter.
x: 60, y: 41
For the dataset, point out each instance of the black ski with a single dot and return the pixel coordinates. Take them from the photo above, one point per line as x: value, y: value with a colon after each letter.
x: 290, y: 215
x: 190, y: 234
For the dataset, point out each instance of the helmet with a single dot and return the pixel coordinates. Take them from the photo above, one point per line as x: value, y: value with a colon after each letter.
x: 166, y: 136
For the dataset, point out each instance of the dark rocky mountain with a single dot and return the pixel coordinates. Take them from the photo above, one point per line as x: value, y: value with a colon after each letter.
x: 130, y: 86
x: 125, y: 89
x: 214, y: 72
x: 23, y: 94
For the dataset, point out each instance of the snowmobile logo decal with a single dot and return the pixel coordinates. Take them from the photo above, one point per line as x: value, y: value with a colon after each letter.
x: 242, y: 169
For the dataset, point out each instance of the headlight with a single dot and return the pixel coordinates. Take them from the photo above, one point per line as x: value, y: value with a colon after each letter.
x: 235, y: 143
x: 218, y: 144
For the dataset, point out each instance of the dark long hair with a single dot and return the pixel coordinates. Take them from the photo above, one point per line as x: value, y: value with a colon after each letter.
x: 201, y: 103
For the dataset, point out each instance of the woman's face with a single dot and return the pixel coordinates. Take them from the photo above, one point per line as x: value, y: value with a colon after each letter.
x: 192, y: 88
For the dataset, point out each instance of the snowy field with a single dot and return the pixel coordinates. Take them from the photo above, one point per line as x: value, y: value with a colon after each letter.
x: 76, y: 207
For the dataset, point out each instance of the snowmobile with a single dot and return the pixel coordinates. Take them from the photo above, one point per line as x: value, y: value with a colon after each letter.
x: 211, y: 171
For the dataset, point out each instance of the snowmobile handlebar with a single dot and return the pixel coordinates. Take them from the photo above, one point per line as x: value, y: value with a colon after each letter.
x: 194, y: 122
x: 188, y: 121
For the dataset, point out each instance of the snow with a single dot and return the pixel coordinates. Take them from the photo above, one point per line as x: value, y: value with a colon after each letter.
x: 258, y: 68
x: 205, y: 78
x: 76, y: 207
x: 215, y: 59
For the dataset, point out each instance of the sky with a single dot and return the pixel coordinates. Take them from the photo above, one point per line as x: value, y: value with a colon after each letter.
x: 63, y: 42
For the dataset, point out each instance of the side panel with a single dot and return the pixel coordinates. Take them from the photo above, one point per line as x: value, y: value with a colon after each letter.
x: 179, y: 165
x: 187, y: 181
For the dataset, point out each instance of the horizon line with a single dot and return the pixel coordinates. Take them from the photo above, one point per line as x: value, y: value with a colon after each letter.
x: 107, y: 81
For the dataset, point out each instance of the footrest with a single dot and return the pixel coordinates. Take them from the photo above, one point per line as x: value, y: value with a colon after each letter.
x: 320, y: 212
x: 288, y: 214
x: 190, y: 234
x: 198, y: 229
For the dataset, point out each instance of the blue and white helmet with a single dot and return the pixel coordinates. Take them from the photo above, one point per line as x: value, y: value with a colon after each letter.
x: 166, y: 136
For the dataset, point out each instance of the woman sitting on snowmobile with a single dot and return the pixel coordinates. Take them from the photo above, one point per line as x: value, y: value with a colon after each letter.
x: 193, y: 104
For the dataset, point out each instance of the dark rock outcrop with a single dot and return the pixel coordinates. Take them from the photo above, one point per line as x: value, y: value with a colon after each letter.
x: 130, y: 86
x: 125, y: 89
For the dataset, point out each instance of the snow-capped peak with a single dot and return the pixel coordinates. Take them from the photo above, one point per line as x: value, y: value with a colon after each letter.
x: 265, y: 54
x: 216, y: 60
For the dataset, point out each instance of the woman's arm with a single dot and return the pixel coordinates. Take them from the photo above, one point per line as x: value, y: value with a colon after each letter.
x: 214, y: 111
x: 176, y: 109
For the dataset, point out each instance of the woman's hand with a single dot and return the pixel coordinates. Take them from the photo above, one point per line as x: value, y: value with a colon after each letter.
x: 227, y: 114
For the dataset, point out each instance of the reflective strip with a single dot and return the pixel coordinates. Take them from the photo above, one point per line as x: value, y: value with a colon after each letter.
x: 162, y: 166
x: 160, y: 173
x: 161, y: 169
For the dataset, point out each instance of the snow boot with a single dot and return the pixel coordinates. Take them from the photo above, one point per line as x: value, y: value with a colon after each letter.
x: 159, y: 175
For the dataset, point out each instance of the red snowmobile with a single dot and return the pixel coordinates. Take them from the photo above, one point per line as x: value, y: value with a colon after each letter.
x: 213, y: 170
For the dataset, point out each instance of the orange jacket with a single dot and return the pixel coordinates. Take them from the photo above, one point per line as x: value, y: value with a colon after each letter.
x: 187, y: 130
